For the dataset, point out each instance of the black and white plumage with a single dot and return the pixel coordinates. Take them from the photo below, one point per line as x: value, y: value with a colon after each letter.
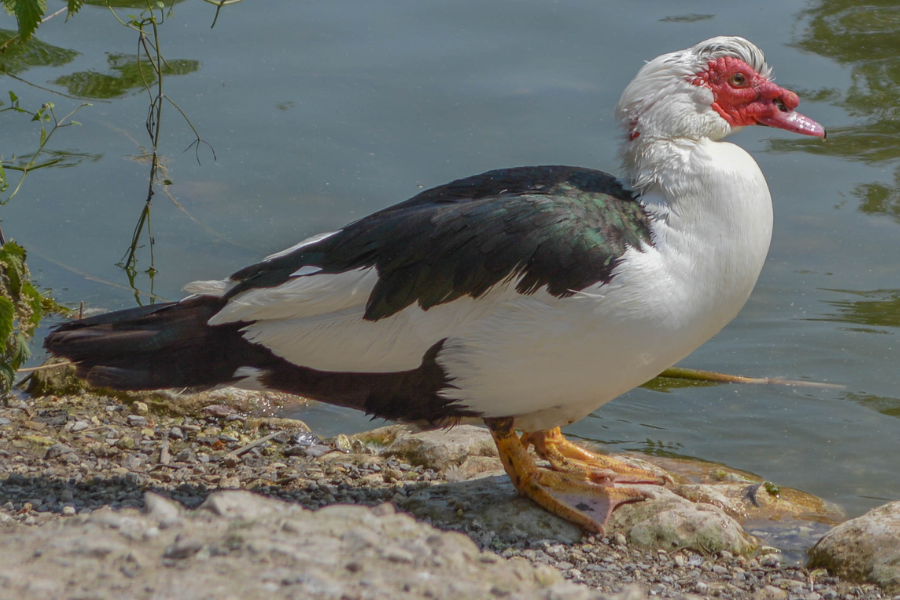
x: 335, y: 317
x: 527, y: 297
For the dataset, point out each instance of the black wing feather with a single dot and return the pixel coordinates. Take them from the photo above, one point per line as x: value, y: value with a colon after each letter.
x: 560, y: 227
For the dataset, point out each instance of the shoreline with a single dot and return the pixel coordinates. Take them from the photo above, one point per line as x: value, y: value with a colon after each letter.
x: 66, y: 458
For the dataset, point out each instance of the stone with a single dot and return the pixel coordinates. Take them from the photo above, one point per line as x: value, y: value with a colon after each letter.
x: 242, y: 505
x: 162, y: 510
x: 669, y: 522
x: 137, y: 420
x: 316, y: 451
x: 183, y: 549
x: 57, y: 450
x: 219, y: 410
x: 61, y: 380
x: 760, y: 501
x: 770, y: 592
x: 770, y: 560
x: 864, y: 549
x: 38, y: 440
x: 437, y: 449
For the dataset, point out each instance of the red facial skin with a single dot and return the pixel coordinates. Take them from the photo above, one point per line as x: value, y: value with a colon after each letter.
x: 744, y: 97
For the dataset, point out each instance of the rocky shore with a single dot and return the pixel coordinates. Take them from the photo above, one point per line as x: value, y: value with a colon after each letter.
x: 205, y: 496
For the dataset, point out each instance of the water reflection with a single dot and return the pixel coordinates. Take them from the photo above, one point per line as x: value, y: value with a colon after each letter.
x: 886, y: 406
x: 880, y: 198
x: 877, y: 308
x: 864, y: 36
x: 138, y: 4
x: 128, y: 73
x: 20, y: 57
x: 58, y: 158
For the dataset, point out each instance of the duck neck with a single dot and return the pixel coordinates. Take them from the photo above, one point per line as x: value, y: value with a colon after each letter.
x: 712, y: 209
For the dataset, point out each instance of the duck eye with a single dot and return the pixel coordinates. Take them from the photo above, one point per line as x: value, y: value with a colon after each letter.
x: 738, y: 80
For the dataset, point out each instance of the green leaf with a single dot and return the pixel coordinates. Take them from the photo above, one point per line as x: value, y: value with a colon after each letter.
x: 7, y: 375
x: 22, y: 351
x: 10, y: 6
x: 12, y: 256
x: 7, y: 314
x: 28, y: 15
x: 73, y: 7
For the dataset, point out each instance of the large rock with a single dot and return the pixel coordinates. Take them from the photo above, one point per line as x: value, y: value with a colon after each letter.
x: 865, y: 549
x: 669, y: 522
x: 246, y: 546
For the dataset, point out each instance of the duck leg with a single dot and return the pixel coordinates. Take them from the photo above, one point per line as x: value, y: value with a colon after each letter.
x: 579, y: 495
x: 563, y: 455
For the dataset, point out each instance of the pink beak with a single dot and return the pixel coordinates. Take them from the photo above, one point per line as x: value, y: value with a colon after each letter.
x: 793, y: 121
x: 783, y: 116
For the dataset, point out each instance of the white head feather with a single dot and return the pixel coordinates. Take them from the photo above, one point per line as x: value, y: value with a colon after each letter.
x: 662, y: 104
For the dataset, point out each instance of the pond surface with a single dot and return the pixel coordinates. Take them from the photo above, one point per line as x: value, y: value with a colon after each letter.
x: 321, y: 112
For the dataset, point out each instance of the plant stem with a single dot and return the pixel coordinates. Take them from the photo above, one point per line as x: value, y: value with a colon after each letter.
x: 698, y: 375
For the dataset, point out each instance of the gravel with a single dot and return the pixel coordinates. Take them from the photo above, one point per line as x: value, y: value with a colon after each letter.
x: 71, y: 458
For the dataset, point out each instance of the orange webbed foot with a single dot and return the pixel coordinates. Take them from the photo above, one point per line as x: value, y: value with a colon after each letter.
x: 563, y: 455
x: 578, y: 488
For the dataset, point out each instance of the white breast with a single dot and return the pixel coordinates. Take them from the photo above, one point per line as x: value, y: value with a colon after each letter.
x: 552, y: 361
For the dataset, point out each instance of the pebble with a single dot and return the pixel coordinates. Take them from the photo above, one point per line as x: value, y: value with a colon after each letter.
x: 137, y: 421
x: 84, y: 475
x: 317, y: 451
x: 770, y: 560
x: 183, y: 549
x: 57, y: 450
x: 219, y: 410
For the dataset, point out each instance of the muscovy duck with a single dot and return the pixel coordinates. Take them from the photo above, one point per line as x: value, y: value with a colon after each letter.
x: 524, y: 297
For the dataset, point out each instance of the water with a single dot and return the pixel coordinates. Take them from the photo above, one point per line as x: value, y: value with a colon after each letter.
x: 323, y: 112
